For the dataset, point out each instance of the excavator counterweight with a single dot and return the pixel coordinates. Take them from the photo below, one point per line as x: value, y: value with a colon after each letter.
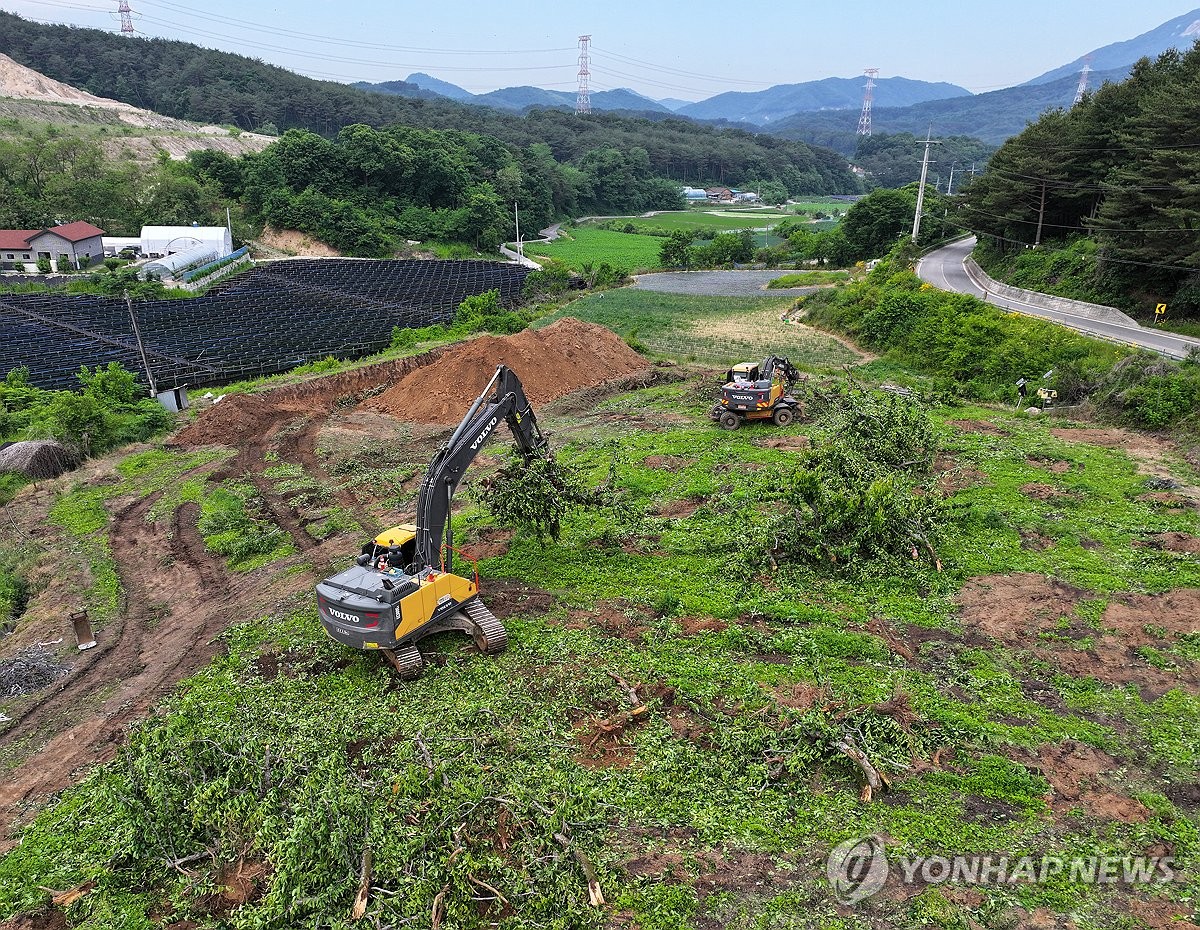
x: 403, y: 586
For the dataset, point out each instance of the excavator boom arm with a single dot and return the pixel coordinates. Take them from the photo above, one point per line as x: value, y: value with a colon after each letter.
x: 503, y: 399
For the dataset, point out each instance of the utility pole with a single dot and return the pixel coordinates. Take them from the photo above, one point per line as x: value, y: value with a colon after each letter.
x: 921, y: 189
x: 517, y: 221
x: 137, y: 334
x: 950, y: 186
x: 1037, y: 240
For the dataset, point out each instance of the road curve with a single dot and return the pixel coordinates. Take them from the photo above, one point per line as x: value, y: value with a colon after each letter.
x: 944, y: 268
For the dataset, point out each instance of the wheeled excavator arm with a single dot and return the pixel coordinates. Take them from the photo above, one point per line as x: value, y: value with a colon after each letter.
x: 503, y: 399
x: 771, y: 362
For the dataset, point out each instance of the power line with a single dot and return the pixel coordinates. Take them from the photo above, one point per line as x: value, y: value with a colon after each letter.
x: 1095, y: 258
x: 1122, y: 229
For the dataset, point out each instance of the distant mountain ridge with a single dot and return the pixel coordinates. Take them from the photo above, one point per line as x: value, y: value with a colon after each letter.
x: 784, y: 100
x: 1180, y: 33
x: 516, y: 99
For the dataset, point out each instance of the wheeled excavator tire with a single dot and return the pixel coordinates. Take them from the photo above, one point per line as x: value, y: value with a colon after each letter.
x: 783, y: 416
x: 487, y: 632
x: 729, y: 420
x: 406, y: 660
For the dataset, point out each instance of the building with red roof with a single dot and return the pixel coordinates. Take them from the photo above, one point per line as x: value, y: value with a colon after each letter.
x: 77, y: 243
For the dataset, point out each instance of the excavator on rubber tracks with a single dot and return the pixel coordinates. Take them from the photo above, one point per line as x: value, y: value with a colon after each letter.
x: 402, y: 586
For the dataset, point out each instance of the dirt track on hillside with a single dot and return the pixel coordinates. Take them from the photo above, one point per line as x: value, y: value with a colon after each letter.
x: 178, y: 597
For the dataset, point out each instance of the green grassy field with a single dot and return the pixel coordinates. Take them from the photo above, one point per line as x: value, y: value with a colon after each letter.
x: 589, y: 245
x: 716, y: 330
x: 480, y: 788
x: 691, y: 219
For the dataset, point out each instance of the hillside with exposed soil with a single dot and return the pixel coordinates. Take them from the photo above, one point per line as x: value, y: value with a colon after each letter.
x: 689, y: 715
x: 31, y: 97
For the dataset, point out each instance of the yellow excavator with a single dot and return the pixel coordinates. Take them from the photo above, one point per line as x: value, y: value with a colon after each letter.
x: 402, y: 586
x: 758, y: 391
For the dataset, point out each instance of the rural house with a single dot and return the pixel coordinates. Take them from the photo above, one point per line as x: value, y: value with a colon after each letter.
x: 20, y: 249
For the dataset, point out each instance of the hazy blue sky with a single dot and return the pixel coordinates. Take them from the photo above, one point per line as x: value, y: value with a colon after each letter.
x: 661, y: 49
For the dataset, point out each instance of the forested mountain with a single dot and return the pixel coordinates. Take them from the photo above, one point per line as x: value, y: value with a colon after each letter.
x: 895, y: 160
x: 776, y: 103
x: 1179, y: 33
x: 189, y: 82
x: 429, y: 82
x: 518, y: 99
x: 991, y: 117
x: 1120, y: 167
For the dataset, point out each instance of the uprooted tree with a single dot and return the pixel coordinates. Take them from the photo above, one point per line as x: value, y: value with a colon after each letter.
x: 538, y: 495
x: 863, y: 493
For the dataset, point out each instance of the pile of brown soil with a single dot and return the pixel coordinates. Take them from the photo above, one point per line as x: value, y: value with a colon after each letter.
x: 550, y: 362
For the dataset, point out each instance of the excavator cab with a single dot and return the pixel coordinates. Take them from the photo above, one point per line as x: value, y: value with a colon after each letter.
x: 396, y: 546
x: 403, y: 586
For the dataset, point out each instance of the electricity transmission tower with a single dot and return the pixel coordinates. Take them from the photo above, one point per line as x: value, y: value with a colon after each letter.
x: 126, y: 15
x: 1083, y: 79
x: 864, y: 121
x: 583, y: 103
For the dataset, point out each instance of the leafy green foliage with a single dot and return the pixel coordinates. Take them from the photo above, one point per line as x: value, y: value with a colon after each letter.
x: 233, y: 525
x: 971, y: 348
x: 105, y: 413
x: 863, y: 495
x: 1112, y: 168
x: 537, y: 495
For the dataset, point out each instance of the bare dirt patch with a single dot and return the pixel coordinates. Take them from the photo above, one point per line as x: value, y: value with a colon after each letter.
x: 665, y: 462
x: 292, y: 242
x: 1078, y: 775
x: 677, y: 510
x: 1037, y: 614
x: 48, y: 920
x: 793, y: 443
x: 617, y: 618
x: 693, y: 625
x: 1035, y: 541
x: 1015, y: 608
x: 512, y: 598
x: 491, y: 543
x: 1036, y: 490
x: 1054, y: 466
x: 1160, y: 914
x: 551, y: 362
x: 1176, y: 542
x: 1168, y: 499
x: 954, y: 476
x: 978, y: 426
x: 167, y: 631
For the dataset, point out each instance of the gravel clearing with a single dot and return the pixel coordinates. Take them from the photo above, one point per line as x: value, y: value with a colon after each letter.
x: 718, y: 283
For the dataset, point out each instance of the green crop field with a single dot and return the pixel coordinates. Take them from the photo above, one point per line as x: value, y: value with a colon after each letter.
x: 591, y: 246
x: 715, y: 330
x: 691, y: 219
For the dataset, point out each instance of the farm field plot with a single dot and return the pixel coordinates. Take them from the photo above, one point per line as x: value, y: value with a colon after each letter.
x: 716, y: 330
x: 693, y: 219
x: 659, y: 745
x: 587, y: 245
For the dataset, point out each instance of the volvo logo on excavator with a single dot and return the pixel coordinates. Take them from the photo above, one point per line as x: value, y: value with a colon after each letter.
x: 487, y: 431
x: 341, y: 615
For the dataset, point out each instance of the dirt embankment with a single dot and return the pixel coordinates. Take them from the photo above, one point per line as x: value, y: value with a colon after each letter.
x: 550, y: 362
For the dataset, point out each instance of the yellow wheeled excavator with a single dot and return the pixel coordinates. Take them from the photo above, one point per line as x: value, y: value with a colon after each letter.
x: 403, y: 586
x: 758, y: 391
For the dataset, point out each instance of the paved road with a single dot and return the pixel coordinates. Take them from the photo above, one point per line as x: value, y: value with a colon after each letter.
x: 944, y: 269
x: 718, y: 283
